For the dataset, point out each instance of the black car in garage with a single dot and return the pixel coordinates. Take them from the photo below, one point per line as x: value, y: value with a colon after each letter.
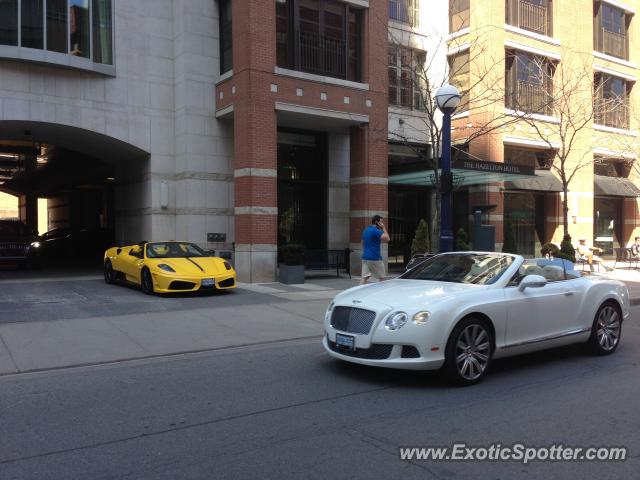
x: 78, y: 245
x: 18, y: 243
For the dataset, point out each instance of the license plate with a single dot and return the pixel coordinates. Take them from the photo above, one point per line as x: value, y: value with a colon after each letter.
x: 346, y: 341
x: 207, y: 282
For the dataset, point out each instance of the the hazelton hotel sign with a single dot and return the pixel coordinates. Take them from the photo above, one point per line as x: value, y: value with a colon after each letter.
x: 493, y: 167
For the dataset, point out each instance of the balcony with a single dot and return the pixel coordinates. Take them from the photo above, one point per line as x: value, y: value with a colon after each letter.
x: 530, y: 98
x: 529, y: 16
x: 404, y: 11
x: 322, y: 55
x: 613, y: 43
x: 611, y: 113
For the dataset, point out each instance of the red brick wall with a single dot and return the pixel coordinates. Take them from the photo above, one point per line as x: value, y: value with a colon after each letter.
x: 255, y: 118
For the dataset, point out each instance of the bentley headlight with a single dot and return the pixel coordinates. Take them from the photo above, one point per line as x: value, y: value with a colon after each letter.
x: 327, y: 316
x: 166, y: 268
x: 421, y: 318
x: 395, y: 321
x: 35, y: 245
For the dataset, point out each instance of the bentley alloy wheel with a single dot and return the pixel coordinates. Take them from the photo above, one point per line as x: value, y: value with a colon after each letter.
x: 606, y: 330
x: 468, y: 352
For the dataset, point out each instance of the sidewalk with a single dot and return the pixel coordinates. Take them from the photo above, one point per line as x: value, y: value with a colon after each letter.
x: 269, y: 313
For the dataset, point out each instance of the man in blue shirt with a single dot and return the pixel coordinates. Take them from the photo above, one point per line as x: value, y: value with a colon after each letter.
x: 372, y: 237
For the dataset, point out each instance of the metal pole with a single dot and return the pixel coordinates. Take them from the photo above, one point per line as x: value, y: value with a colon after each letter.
x: 446, y: 235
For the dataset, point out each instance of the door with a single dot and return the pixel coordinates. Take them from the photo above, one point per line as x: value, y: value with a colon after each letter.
x: 539, y: 313
x: 130, y: 263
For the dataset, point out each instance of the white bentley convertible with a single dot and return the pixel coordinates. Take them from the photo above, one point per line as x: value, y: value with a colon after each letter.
x: 458, y: 311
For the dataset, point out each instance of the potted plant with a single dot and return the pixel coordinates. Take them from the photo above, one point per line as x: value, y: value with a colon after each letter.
x: 291, y: 267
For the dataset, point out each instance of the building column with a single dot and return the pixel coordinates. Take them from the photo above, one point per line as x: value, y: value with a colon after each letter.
x: 630, y: 221
x: 28, y: 208
x: 256, y: 192
x: 28, y: 204
x: 368, y: 186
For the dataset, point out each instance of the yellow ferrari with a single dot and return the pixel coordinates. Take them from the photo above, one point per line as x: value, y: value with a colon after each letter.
x: 167, y: 267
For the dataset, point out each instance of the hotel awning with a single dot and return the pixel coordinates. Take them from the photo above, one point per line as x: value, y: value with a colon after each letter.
x: 541, y: 181
x: 614, y: 187
x: 475, y: 172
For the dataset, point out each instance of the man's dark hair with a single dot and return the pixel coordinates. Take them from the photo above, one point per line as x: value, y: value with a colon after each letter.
x: 637, y: 238
x: 375, y: 219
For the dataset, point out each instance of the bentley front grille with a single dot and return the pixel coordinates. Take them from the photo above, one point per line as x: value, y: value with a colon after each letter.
x: 352, y: 320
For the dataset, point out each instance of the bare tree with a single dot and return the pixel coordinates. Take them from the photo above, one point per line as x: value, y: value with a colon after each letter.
x: 470, y: 66
x: 561, y: 102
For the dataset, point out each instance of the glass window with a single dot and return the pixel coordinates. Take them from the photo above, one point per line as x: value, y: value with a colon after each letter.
x: 9, y: 22
x: 57, y: 26
x: 613, y: 19
x: 79, y: 28
x: 319, y: 36
x: 353, y: 66
x: 529, y: 83
x: 611, y: 102
x: 610, y: 30
x: 226, y: 40
x: 32, y: 19
x: 405, y: 11
x: 458, y: 14
x: 607, y: 223
x: 405, y: 77
x: 283, y: 38
x: 82, y: 28
x: 532, y: 15
x: 460, y: 77
x: 102, y: 32
x: 472, y: 268
x: 174, y: 250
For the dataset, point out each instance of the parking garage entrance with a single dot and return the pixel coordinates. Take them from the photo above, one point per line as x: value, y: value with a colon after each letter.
x: 65, y: 180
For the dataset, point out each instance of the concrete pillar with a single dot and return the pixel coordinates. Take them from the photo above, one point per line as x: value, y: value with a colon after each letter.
x: 28, y: 204
x: 28, y: 208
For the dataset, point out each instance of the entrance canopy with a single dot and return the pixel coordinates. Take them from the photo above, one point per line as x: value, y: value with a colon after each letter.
x: 475, y: 172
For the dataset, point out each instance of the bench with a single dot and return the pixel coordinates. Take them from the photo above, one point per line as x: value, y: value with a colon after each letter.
x: 328, y: 259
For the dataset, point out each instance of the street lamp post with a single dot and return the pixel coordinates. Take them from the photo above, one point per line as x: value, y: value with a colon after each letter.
x: 447, y: 99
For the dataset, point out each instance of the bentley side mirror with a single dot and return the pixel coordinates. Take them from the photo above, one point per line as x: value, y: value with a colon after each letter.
x: 532, y: 281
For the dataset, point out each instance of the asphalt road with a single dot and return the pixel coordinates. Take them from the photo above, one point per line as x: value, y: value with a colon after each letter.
x: 286, y: 410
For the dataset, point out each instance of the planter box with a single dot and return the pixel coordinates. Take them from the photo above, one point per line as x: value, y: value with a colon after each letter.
x: 291, y: 274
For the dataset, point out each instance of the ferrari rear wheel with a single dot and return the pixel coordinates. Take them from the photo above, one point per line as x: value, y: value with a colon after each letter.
x: 109, y: 275
x: 468, y: 352
x: 146, y: 282
x: 606, y: 329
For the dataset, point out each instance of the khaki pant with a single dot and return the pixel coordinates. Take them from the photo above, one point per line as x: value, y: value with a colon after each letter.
x: 373, y: 268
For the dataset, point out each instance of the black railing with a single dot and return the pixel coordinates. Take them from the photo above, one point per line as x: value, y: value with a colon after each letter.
x: 403, y: 11
x: 611, y: 113
x: 614, y: 43
x: 322, y: 55
x: 530, y: 98
x: 530, y: 16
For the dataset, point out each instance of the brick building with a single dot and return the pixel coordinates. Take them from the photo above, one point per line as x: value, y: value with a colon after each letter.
x: 535, y: 48
x: 238, y: 125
